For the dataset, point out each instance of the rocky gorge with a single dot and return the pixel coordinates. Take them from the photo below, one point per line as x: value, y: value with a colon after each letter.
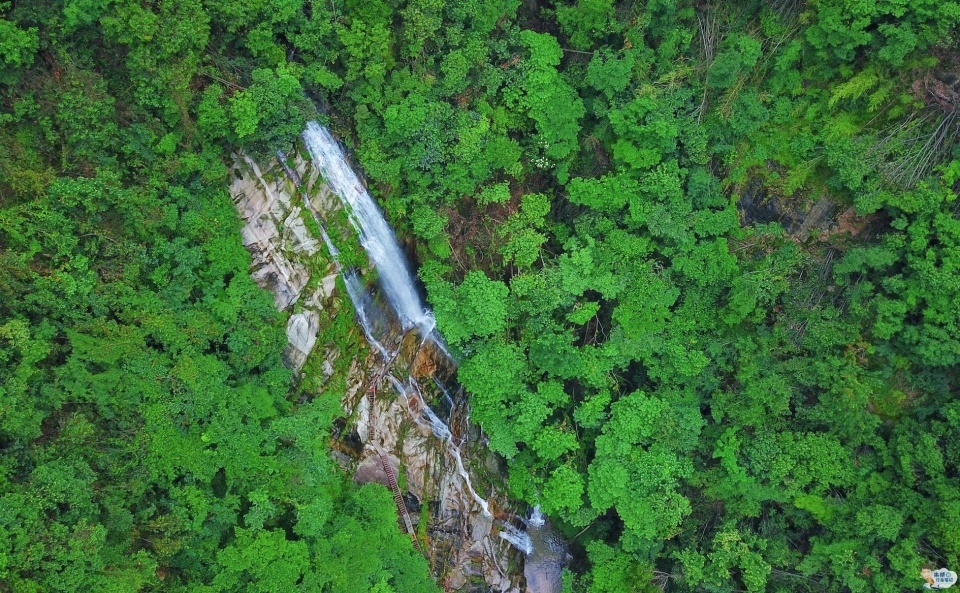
x: 385, y: 384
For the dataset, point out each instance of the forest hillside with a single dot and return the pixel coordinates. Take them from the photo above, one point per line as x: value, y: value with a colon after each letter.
x: 700, y: 262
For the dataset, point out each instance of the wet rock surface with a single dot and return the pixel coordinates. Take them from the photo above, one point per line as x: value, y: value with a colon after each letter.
x: 543, y: 566
x: 802, y: 218
x: 798, y: 216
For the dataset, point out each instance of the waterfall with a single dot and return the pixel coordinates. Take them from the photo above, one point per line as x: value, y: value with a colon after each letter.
x: 381, y: 245
x: 365, y: 308
x: 376, y: 236
x: 388, y: 315
x: 536, y: 520
x: 362, y: 303
x: 545, y: 549
x: 442, y: 432
x: 518, y: 539
x: 451, y: 405
x: 523, y: 540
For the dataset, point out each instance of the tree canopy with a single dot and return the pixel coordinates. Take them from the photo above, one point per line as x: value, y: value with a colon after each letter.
x: 696, y: 261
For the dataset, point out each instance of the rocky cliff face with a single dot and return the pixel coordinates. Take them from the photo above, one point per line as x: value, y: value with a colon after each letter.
x: 280, y: 244
x: 386, y: 429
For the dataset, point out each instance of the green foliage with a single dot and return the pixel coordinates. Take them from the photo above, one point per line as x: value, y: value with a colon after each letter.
x: 738, y: 56
x: 646, y: 131
x: 890, y: 30
x: 17, y: 47
x: 587, y: 21
x: 150, y: 436
x: 710, y: 394
x: 522, y: 231
x: 549, y: 101
x: 691, y: 383
x: 494, y: 194
x: 914, y: 305
x: 616, y: 572
x: 478, y: 309
x: 272, y: 109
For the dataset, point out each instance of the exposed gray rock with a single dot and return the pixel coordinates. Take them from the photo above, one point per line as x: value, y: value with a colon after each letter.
x: 302, y: 331
x: 799, y: 217
x: 296, y: 235
x: 371, y: 469
x: 462, y: 543
x: 280, y: 242
x: 264, y: 206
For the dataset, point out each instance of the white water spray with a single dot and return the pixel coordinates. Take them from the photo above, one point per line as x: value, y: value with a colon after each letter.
x: 518, y: 539
x: 398, y: 285
x: 536, y: 520
x: 446, y: 396
x: 442, y: 432
x: 521, y: 540
x: 376, y: 236
x: 362, y: 304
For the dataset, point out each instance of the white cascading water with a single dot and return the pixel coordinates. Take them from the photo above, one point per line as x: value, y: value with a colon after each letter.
x: 517, y: 538
x: 521, y: 539
x: 537, y: 519
x: 446, y: 396
x: 376, y: 236
x: 381, y: 245
x: 442, y: 432
x: 362, y: 304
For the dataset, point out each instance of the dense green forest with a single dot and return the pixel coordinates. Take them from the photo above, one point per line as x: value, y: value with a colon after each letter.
x: 700, y: 396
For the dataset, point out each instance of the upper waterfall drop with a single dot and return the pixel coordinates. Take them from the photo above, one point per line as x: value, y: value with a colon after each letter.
x: 376, y: 236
